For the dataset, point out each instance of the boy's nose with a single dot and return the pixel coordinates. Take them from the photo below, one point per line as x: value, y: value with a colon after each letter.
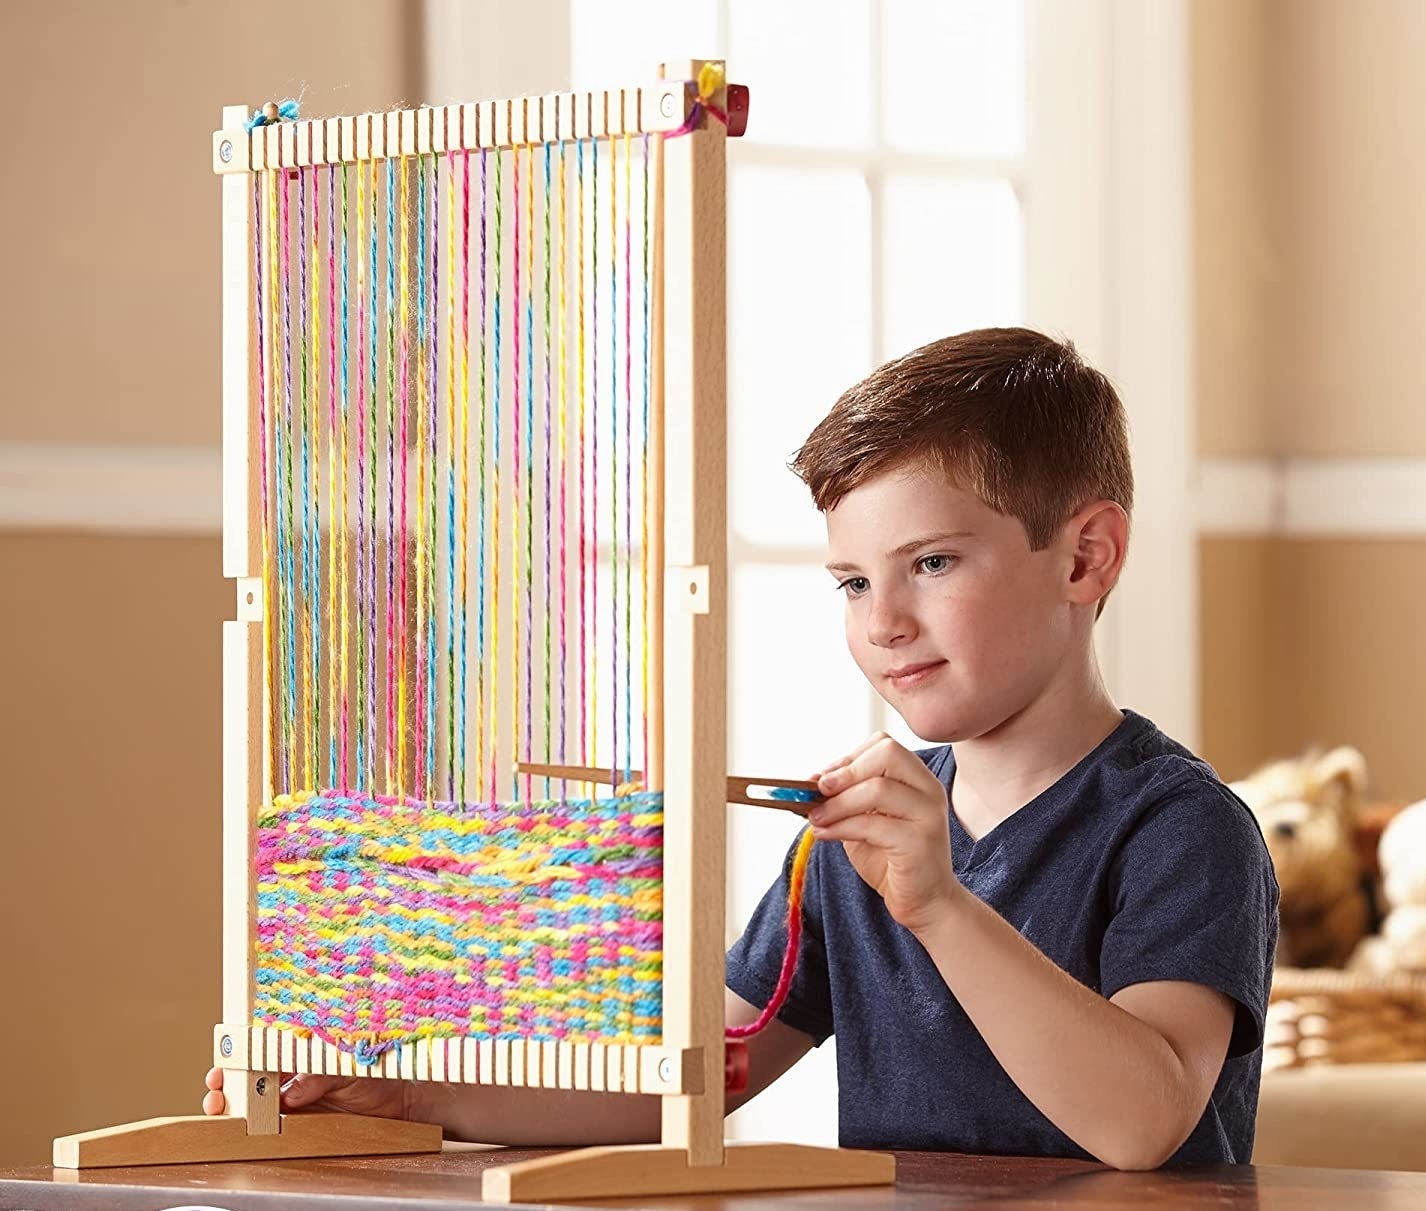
x: 889, y: 625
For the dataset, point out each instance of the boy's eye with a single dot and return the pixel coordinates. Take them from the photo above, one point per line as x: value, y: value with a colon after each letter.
x: 936, y: 563
x: 854, y: 586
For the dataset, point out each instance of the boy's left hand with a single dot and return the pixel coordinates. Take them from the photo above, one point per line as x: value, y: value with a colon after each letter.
x: 891, y: 814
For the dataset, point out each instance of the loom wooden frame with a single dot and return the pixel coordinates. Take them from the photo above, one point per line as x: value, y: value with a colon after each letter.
x: 688, y: 527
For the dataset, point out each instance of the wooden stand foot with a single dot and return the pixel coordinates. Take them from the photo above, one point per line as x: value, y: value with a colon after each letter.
x: 187, y: 1139
x: 650, y: 1169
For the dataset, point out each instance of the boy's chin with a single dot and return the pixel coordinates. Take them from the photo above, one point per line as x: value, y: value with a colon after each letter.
x: 932, y: 727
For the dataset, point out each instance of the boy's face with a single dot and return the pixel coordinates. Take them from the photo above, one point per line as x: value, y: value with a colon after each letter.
x: 951, y: 616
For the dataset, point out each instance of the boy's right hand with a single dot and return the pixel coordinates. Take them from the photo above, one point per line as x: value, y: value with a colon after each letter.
x: 305, y: 1091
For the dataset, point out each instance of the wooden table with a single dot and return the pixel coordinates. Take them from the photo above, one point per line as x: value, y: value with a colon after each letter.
x: 927, y: 1180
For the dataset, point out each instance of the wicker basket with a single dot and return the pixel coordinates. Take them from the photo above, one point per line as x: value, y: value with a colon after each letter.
x: 1323, y: 1016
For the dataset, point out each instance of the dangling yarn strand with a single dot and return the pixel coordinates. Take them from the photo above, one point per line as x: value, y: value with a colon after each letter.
x: 796, y: 885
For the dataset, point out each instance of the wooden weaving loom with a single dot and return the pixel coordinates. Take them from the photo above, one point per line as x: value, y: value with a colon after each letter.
x: 424, y: 668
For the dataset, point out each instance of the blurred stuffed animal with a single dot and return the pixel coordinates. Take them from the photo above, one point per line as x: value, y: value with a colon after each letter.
x: 1401, y: 944
x: 1307, y: 810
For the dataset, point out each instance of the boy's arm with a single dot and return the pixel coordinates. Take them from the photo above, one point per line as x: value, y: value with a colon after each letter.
x: 1126, y: 1078
x: 551, y: 1117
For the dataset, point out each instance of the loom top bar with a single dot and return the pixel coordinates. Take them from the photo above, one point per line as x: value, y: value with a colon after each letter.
x: 477, y: 126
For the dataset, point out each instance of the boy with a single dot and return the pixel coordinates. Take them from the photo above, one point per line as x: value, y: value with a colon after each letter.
x: 1051, y: 935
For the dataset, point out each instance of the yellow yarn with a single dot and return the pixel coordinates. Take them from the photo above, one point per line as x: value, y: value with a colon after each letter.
x: 710, y: 80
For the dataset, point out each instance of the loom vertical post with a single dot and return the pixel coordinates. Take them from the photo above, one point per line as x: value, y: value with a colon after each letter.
x: 695, y: 622
x: 654, y: 622
x: 252, y: 1095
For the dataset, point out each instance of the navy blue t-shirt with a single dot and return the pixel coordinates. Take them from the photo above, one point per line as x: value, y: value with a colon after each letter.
x: 1137, y: 865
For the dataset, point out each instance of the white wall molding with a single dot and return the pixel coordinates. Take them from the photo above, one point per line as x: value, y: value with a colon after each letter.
x: 1238, y: 496
x: 177, y: 490
x: 1312, y: 497
x: 1150, y: 633
x: 111, y: 489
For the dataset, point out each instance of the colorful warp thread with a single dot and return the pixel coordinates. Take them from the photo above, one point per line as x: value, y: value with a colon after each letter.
x: 382, y: 920
x: 366, y: 492
x: 371, y: 575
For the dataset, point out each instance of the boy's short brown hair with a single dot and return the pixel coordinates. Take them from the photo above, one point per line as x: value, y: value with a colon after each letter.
x: 1010, y: 414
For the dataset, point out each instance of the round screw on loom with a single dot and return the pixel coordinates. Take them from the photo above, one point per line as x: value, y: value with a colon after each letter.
x: 261, y: 1086
x: 666, y: 1069
x: 226, y: 1045
x: 225, y: 151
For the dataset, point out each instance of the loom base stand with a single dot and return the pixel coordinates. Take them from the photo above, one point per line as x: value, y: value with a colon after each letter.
x: 189, y: 1139
x: 650, y: 1169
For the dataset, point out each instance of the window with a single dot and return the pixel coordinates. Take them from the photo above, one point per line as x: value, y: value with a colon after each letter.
x: 885, y: 194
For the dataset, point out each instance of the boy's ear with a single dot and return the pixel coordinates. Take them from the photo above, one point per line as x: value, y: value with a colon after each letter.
x: 1099, y: 535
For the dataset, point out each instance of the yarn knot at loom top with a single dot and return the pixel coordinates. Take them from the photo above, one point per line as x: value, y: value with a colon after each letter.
x: 711, y: 78
x: 273, y: 112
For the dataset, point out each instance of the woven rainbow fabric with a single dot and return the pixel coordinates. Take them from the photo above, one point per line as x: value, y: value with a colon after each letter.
x: 382, y: 920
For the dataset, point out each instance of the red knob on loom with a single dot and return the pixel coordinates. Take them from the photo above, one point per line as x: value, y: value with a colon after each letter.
x: 735, y: 1066
x: 738, y: 101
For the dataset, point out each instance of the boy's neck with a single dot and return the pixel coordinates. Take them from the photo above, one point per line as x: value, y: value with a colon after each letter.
x: 1001, y: 771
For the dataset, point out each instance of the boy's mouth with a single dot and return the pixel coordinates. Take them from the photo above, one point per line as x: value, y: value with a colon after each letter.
x: 907, y: 675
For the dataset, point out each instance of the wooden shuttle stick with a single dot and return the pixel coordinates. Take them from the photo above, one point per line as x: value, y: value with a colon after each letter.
x: 751, y: 791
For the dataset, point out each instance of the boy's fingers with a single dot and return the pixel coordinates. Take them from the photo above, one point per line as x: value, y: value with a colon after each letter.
x: 874, y: 739
x: 884, y: 796
x: 880, y: 757
x: 878, y: 831
x: 846, y: 761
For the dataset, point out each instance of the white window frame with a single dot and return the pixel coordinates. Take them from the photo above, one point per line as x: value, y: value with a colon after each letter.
x: 1105, y: 193
x: 1104, y: 188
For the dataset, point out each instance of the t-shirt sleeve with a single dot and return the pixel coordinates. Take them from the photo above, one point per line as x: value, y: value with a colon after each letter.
x: 755, y: 961
x: 1194, y: 898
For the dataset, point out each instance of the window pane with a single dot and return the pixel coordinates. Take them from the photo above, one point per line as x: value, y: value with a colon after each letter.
x: 797, y: 699
x: 614, y: 43
x: 955, y: 76
x: 800, y: 333
x: 808, y: 64
x: 953, y: 256
x: 796, y: 702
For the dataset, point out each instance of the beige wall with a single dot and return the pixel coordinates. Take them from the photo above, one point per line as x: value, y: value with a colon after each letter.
x: 1243, y: 653
x: 110, y: 645
x: 1347, y: 108
x: 1315, y: 642
x: 109, y: 894
x: 1310, y: 275
x: 1234, y: 252
x: 109, y: 315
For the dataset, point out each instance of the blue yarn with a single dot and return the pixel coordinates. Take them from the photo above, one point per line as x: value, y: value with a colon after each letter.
x: 793, y: 794
x: 286, y: 111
